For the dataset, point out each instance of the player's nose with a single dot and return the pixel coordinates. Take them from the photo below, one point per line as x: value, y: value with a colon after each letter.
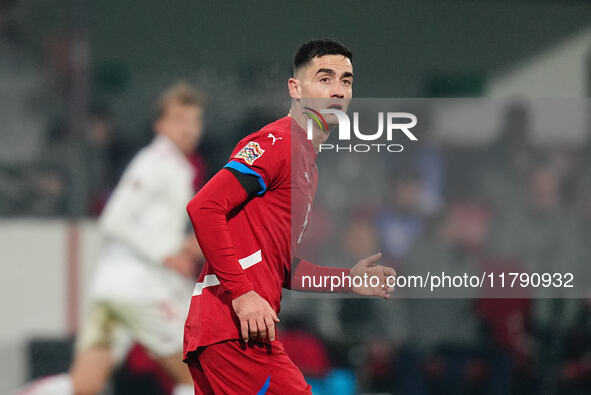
x: 337, y: 95
x: 337, y: 91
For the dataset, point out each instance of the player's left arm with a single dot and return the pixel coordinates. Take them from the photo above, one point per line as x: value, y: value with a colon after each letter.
x: 340, y: 280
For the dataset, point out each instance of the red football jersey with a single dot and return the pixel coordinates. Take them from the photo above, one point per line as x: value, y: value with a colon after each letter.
x: 283, y: 161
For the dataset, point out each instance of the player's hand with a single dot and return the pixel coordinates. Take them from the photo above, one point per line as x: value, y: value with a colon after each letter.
x: 182, y: 264
x: 257, y: 317
x: 370, y: 267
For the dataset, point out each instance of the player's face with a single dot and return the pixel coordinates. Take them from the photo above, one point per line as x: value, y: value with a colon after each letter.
x: 183, y: 124
x: 325, y: 82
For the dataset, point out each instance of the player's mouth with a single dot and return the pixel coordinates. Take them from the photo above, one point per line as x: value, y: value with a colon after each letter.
x: 336, y: 106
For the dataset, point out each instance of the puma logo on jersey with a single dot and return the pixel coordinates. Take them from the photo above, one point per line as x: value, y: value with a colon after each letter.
x: 270, y: 135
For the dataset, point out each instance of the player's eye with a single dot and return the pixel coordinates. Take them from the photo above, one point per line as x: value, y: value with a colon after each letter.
x: 347, y: 82
x: 325, y: 79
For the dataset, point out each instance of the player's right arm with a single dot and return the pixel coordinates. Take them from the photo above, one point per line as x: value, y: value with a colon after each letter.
x: 208, y: 211
x: 230, y: 188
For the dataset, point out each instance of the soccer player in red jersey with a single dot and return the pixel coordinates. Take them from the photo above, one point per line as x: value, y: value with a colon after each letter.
x: 248, y: 219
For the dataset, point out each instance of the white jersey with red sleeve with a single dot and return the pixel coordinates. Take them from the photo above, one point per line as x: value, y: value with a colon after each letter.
x: 144, y: 222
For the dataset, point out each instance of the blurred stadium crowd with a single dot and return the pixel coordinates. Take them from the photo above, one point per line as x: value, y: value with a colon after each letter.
x: 511, y: 203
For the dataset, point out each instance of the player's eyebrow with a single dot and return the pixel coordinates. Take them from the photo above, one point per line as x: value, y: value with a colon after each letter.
x: 327, y: 71
x: 346, y: 74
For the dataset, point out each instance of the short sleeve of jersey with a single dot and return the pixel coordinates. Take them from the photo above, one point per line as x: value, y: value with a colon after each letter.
x: 265, y: 156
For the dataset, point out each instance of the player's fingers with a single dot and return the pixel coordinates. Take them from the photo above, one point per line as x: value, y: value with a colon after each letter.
x: 244, y: 330
x: 252, y: 328
x: 274, y: 315
x: 270, y: 327
x: 381, y: 278
x: 387, y: 277
x: 388, y: 271
x: 389, y: 287
x: 372, y: 259
x: 389, y: 281
x: 388, y: 284
x: 262, y: 328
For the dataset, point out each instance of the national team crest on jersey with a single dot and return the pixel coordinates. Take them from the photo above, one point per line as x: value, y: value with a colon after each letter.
x: 251, y: 152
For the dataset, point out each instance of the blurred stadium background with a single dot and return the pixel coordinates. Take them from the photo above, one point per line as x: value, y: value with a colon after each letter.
x: 77, y: 83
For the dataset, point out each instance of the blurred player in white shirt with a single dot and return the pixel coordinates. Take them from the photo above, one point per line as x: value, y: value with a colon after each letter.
x: 143, y: 279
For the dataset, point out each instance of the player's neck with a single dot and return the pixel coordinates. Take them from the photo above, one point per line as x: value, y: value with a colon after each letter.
x: 318, y: 136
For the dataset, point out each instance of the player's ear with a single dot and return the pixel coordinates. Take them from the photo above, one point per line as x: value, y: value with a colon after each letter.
x: 293, y: 84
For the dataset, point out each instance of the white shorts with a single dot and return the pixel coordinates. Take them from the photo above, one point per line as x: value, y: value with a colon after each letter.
x: 157, y: 326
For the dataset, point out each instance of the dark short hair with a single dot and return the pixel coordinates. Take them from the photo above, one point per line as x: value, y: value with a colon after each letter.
x: 315, y: 48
